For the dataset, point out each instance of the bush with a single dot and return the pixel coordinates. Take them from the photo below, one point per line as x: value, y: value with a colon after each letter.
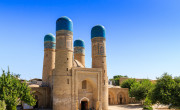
x: 147, y: 104
x: 147, y: 108
x: 11, y: 108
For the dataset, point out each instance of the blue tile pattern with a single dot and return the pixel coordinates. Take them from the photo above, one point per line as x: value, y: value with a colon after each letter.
x: 79, y: 43
x: 49, y: 45
x: 98, y: 31
x: 64, y: 23
x: 76, y: 50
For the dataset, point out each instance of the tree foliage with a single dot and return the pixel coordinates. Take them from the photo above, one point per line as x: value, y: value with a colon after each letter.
x: 116, y: 79
x: 177, y: 79
x: 128, y: 83
x: 140, y: 89
x: 12, y: 91
x: 2, y: 105
x: 166, y: 91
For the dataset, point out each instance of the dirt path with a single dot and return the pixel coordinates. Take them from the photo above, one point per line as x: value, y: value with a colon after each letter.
x: 135, y: 107
x: 125, y: 107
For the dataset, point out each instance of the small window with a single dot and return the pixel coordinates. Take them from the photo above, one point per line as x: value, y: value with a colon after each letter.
x: 104, y: 71
x: 104, y: 82
x: 67, y: 81
x: 67, y: 58
x: 84, y: 84
x: 67, y: 69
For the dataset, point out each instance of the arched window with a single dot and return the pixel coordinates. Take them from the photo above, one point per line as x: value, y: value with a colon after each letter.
x: 84, y: 84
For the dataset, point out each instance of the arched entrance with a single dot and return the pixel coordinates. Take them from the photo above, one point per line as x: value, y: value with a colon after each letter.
x: 39, y: 101
x: 121, y: 98
x: 111, y: 98
x: 36, y: 106
x: 84, y: 103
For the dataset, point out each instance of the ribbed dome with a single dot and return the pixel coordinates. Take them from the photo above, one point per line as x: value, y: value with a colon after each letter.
x: 49, y: 37
x: 79, y: 43
x: 98, y: 31
x: 64, y: 23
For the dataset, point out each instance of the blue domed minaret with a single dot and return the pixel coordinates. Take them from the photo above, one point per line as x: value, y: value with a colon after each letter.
x: 98, y: 41
x: 79, y: 51
x: 49, y: 41
x: 63, y: 65
x: 49, y: 59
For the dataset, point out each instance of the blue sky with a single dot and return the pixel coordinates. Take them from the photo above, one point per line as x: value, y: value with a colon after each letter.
x: 142, y: 36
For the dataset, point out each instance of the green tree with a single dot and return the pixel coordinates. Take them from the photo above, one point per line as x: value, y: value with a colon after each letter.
x: 2, y: 105
x: 116, y: 78
x: 177, y: 79
x: 12, y: 91
x: 140, y: 89
x: 128, y: 83
x: 166, y: 90
x: 176, y: 95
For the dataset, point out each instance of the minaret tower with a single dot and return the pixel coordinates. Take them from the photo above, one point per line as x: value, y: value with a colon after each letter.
x: 63, y: 65
x: 49, y: 59
x: 79, y: 51
x: 98, y: 41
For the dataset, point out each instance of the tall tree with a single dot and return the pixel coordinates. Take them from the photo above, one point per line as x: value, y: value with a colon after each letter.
x: 140, y: 89
x: 12, y: 91
x: 166, y: 91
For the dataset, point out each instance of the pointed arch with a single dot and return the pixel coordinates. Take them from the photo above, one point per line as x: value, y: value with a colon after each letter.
x: 84, y: 99
x: 111, y: 98
x: 121, y: 99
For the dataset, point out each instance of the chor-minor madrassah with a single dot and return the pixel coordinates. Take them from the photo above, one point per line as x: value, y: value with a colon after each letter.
x: 66, y: 82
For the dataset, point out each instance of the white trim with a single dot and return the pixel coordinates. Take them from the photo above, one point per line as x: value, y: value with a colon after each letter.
x: 84, y: 98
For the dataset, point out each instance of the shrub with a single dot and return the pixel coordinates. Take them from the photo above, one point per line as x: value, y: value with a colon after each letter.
x: 147, y: 108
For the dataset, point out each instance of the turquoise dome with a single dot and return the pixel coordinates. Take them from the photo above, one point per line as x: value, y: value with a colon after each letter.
x: 79, y: 43
x: 64, y: 23
x: 49, y: 41
x: 49, y: 37
x: 98, y: 31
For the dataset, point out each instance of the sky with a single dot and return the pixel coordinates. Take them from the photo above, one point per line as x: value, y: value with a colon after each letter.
x: 142, y: 36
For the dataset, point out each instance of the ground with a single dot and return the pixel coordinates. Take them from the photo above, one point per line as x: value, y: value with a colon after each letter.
x: 130, y: 107
x: 125, y: 107
x: 134, y: 107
